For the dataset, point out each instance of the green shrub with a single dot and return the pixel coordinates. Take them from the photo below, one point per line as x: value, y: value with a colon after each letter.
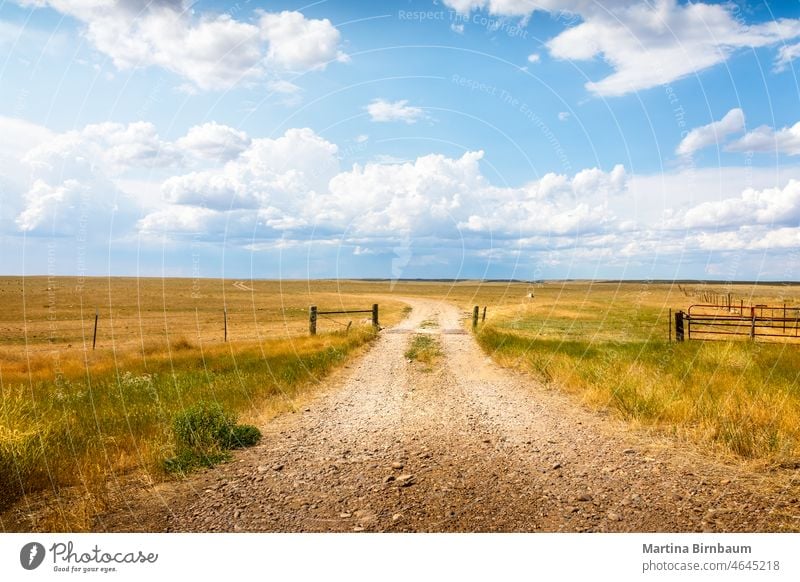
x: 204, y: 426
x: 204, y: 433
x: 243, y: 435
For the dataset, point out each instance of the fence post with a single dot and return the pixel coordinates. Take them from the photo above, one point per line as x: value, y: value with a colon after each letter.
x: 484, y: 313
x: 475, y: 316
x: 679, y: 326
x: 374, y: 315
x: 753, y: 323
x: 669, y: 325
x: 94, y: 337
x: 312, y: 320
x: 225, y: 323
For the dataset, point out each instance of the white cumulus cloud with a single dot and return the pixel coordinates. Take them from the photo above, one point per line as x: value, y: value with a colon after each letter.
x: 71, y: 175
x: 767, y: 139
x: 646, y: 43
x: 292, y: 186
x: 786, y: 54
x: 290, y: 191
x: 297, y: 43
x: 70, y: 170
x: 711, y: 134
x: 214, y: 141
x: 212, y: 51
x: 272, y: 178
x: 770, y: 206
x: 382, y: 110
x: 115, y: 147
x: 181, y: 218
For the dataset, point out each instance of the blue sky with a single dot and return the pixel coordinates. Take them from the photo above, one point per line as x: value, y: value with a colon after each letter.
x: 447, y: 138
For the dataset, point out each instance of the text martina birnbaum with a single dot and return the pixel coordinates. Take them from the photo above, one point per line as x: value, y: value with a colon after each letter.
x: 695, y: 549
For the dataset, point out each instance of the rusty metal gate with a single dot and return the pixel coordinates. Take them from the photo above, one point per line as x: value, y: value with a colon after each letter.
x: 706, y: 321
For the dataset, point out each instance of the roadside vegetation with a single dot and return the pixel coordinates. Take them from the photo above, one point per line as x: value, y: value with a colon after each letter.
x: 608, y: 346
x: 204, y: 435
x: 424, y: 349
x: 162, y: 394
x: 167, y: 412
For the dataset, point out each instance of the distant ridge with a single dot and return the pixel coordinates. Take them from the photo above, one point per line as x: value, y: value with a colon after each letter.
x: 593, y: 281
x: 444, y: 280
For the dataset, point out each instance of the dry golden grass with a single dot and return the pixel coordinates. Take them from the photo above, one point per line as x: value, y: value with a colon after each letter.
x: 73, y: 416
x: 40, y: 312
x: 607, y: 344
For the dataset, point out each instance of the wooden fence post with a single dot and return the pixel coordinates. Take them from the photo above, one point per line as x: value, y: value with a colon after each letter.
x: 225, y: 323
x: 94, y: 337
x: 312, y: 320
x: 753, y: 323
x: 679, y: 326
x: 669, y: 325
x: 484, y: 314
x: 475, y: 316
x: 375, y: 315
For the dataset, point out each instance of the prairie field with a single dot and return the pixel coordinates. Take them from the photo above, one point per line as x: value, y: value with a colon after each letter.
x: 608, y: 345
x: 73, y: 416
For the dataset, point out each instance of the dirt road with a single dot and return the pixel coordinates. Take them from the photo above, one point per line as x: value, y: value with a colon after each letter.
x: 465, y: 446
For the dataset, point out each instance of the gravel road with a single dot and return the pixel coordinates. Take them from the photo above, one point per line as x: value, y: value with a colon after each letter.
x: 462, y: 445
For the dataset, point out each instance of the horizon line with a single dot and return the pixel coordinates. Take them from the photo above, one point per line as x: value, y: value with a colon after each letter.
x: 424, y: 279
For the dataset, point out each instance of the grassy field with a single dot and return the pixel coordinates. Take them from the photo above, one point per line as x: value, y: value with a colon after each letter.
x: 38, y: 312
x: 608, y: 345
x: 73, y: 416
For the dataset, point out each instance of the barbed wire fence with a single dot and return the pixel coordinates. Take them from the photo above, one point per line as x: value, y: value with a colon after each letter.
x: 99, y: 328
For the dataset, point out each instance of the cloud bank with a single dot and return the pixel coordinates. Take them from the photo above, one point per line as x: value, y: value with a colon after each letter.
x: 219, y: 184
x: 211, y: 51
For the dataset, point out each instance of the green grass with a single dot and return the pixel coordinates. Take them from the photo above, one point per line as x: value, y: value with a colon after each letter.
x: 425, y: 349
x: 741, y: 396
x: 204, y: 434
x: 84, y: 423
